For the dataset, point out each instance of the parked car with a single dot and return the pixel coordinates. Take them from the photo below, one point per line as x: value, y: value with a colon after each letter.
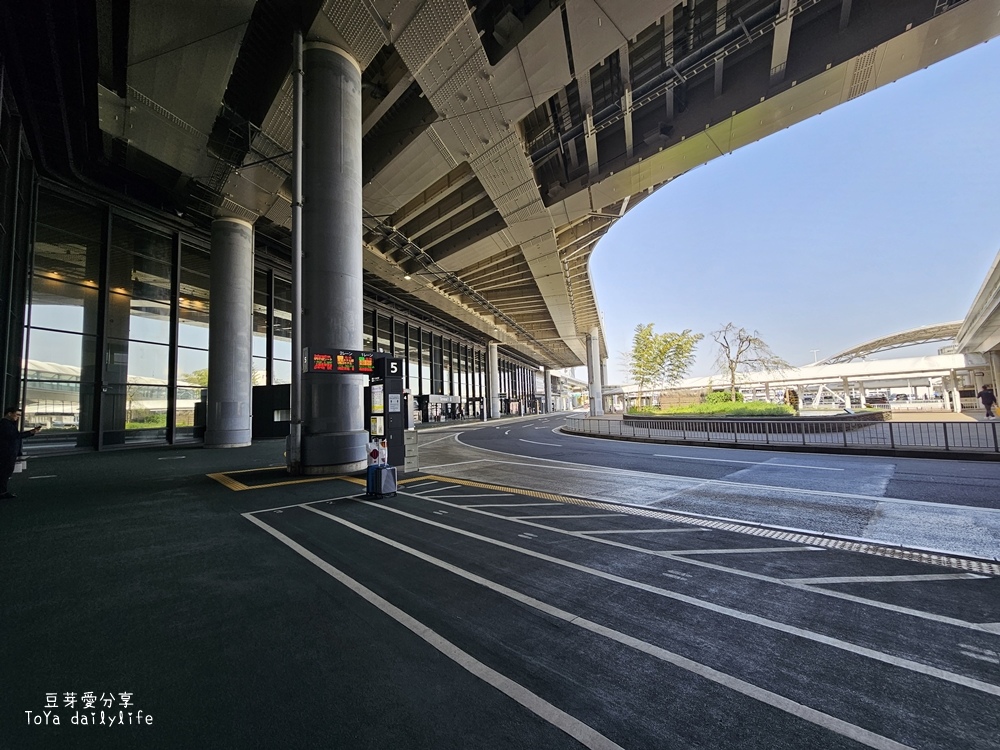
x: 876, y: 400
x: 902, y: 397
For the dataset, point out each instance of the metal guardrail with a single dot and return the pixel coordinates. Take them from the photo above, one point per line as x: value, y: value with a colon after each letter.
x: 966, y: 437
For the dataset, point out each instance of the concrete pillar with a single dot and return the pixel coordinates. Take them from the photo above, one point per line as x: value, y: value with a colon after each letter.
x: 493, y: 363
x: 546, y: 373
x: 861, y: 392
x: 230, y: 335
x: 594, y: 371
x: 847, y: 393
x: 334, y: 437
x: 956, y: 399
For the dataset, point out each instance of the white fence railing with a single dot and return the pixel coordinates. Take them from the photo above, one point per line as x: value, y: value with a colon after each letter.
x: 979, y: 437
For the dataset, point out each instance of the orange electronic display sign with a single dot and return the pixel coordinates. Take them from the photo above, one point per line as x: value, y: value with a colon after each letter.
x: 339, y: 361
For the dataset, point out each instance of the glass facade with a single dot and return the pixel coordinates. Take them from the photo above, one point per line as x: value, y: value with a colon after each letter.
x: 116, y: 334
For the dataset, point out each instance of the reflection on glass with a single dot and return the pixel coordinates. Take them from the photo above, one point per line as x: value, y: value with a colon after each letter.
x: 258, y: 372
x: 67, y: 240
x: 140, y: 261
x: 70, y: 350
x: 55, y: 404
x: 193, y: 326
x: 282, y: 313
x: 192, y: 368
x: 282, y: 372
x: 145, y: 406
x: 65, y: 307
x: 149, y: 321
x: 147, y: 364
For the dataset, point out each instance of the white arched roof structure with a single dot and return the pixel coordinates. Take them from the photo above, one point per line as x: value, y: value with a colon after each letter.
x: 912, y: 337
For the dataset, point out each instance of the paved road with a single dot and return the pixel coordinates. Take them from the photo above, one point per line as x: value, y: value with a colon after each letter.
x: 624, y: 630
x: 258, y: 611
x: 934, y: 504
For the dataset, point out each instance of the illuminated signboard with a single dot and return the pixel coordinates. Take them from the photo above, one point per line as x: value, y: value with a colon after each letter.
x: 346, y: 362
x: 378, y: 398
x: 338, y: 361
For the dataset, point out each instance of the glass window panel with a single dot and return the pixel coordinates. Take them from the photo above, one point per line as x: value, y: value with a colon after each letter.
x: 193, y: 329
x: 258, y: 372
x: 195, y: 276
x: 282, y: 318
x: 147, y: 364
x: 192, y: 368
x: 65, y: 307
x: 184, y: 411
x: 367, y: 341
x: 145, y: 406
x: 383, y: 334
x: 260, y: 321
x: 61, y: 353
x: 399, y: 340
x: 67, y: 240
x: 141, y: 261
x: 282, y: 372
x: 148, y: 321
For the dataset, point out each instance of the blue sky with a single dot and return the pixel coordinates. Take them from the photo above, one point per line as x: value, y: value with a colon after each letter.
x: 877, y: 216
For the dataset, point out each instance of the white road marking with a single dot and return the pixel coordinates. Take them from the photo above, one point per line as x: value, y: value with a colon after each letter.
x: 171, y: 458
x: 752, y: 463
x: 535, y: 442
x: 982, y: 654
x: 844, y: 728
x: 44, y: 476
x: 748, y: 551
x: 875, y: 604
x: 438, y: 489
x: 422, y: 484
x: 908, y: 664
x: 446, y: 497
x: 585, y: 469
x: 582, y: 515
x: 572, y: 726
x: 507, y: 432
x: 457, y: 463
x: 513, y: 505
x: 886, y: 579
x: 645, y: 531
x: 443, y: 437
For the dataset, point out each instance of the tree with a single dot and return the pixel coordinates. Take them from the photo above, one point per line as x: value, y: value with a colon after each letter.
x: 741, y: 351
x: 658, y: 359
x: 198, y: 377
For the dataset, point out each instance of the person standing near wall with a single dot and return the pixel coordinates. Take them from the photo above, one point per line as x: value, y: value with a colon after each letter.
x: 989, y: 400
x: 10, y: 446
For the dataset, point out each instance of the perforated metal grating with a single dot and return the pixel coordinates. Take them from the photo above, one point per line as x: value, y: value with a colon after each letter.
x: 964, y: 564
x: 354, y: 21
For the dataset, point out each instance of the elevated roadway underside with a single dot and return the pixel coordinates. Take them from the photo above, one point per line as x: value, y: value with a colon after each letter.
x: 501, y: 139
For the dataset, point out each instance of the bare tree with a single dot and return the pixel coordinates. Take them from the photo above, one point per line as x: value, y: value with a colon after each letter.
x: 742, y: 351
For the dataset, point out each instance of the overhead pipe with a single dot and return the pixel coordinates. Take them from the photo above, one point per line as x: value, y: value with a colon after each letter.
x: 295, y: 434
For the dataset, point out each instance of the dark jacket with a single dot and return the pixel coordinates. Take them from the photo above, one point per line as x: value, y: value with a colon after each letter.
x: 10, y: 440
x: 987, y: 397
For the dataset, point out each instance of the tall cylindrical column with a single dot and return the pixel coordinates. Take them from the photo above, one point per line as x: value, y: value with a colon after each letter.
x: 334, y: 439
x: 230, y: 334
x: 594, y: 371
x: 547, y: 374
x: 493, y: 364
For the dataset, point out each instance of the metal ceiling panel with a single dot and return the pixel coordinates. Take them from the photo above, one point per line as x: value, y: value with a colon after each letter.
x: 416, y: 167
x: 543, y: 56
x: 597, y: 30
x: 181, y: 60
x: 358, y: 26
